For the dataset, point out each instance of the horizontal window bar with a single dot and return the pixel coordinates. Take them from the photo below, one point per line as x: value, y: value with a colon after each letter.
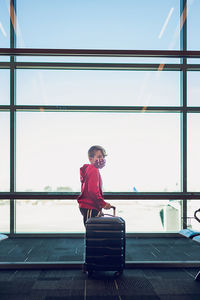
x: 106, y: 53
x: 193, y: 67
x: 99, y: 66
x: 4, y: 107
x: 5, y: 65
x: 126, y: 196
x: 193, y: 109
x: 93, y: 108
x: 50, y: 108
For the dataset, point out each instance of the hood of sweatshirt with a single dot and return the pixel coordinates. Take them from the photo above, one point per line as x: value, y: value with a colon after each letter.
x: 84, y: 170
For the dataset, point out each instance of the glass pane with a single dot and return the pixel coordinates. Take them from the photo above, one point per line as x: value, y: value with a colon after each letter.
x: 193, y: 61
x: 193, y: 90
x: 192, y: 206
x: 62, y: 216
x: 48, y: 216
x: 150, y: 215
x: 4, y: 58
x: 144, y: 150
x: 4, y: 152
x: 82, y: 87
x: 5, y: 24
x: 4, y: 216
x: 193, y: 24
x: 86, y: 59
x: 4, y: 87
x: 193, y: 149
x: 113, y: 24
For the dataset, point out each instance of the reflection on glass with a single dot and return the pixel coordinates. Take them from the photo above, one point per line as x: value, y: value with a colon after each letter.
x: 193, y: 24
x: 4, y: 216
x: 5, y: 24
x: 62, y: 216
x: 192, y: 206
x: 193, y: 149
x: 81, y: 87
x: 4, y: 152
x: 193, y: 90
x: 143, y: 150
x: 4, y: 87
x: 101, y: 24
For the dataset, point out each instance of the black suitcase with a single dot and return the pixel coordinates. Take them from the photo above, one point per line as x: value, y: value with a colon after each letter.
x: 105, y: 244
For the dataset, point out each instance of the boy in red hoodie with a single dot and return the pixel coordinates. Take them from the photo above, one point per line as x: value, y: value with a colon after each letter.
x: 91, y: 198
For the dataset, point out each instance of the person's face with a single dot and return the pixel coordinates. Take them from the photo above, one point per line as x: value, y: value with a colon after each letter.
x: 98, y: 155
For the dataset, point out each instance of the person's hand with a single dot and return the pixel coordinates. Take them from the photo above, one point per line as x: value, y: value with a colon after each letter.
x: 107, y: 206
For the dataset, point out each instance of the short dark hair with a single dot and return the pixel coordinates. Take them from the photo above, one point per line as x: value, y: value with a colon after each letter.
x: 94, y: 149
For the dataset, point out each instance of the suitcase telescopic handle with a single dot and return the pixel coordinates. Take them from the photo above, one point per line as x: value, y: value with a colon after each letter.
x: 114, y: 212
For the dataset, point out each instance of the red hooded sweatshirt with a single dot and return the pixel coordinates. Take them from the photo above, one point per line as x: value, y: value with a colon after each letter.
x: 91, y: 196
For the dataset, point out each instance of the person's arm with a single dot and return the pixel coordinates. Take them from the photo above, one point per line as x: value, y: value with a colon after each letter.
x: 94, y: 189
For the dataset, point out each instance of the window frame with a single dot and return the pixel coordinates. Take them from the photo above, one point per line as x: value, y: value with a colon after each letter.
x: 183, y: 67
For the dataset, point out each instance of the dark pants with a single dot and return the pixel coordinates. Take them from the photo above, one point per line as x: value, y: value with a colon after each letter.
x: 88, y: 213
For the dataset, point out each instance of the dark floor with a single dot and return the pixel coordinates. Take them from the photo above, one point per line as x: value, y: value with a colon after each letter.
x: 69, y: 249
x: 73, y: 284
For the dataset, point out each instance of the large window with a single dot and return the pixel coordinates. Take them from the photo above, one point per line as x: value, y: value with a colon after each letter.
x: 117, y: 88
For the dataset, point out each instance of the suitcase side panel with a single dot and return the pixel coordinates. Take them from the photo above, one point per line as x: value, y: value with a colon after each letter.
x: 105, y: 244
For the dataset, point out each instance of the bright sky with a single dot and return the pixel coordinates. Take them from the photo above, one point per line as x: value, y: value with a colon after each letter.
x: 113, y: 24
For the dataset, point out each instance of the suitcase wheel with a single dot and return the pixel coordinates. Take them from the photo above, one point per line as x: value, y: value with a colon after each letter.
x: 118, y: 273
x: 90, y: 273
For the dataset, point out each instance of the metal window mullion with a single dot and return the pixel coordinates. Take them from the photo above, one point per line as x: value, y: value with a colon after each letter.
x: 12, y: 117
x: 184, y: 167
x: 183, y: 87
x: 12, y: 153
